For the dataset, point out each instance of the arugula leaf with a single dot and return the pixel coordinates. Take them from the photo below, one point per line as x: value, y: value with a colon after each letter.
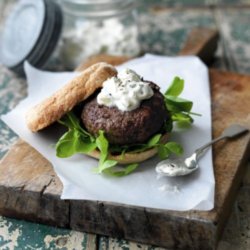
x: 71, y: 143
x: 106, y: 164
x: 183, y: 120
x: 154, y: 140
x: 137, y: 148
x: 63, y: 146
x: 174, y: 147
x: 182, y: 117
x: 84, y: 146
x: 124, y: 171
x: 102, y: 144
x: 72, y: 122
x: 129, y: 169
x: 168, y: 125
x: 179, y: 108
x: 176, y: 104
x: 183, y: 124
x: 163, y: 152
x: 176, y: 87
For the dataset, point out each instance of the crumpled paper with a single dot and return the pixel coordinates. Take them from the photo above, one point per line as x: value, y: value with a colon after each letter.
x: 142, y: 188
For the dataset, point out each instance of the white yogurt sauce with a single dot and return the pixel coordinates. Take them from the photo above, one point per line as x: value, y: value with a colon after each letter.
x: 126, y: 91
x: 173, y: 168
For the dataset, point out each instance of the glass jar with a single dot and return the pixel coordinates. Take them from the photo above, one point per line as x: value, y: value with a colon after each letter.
x: 93, y: 27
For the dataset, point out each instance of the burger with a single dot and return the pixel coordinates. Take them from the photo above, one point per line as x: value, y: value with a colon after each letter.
x: 118, y: 118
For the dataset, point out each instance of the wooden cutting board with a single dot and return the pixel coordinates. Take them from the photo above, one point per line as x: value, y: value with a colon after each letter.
x: 29, y: 188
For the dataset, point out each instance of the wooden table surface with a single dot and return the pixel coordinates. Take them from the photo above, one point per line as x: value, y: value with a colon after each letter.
x: 164, y: 27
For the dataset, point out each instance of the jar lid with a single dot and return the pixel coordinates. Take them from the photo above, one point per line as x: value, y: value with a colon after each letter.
x: 30, y: 33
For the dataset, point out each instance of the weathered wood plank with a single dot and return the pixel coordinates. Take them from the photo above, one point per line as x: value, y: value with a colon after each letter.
x: 164, y: 31
x: 30, y: 193
x: 109, y: 243
x: 235, y: 35
x: 201, y: 42
x: 18, y: 234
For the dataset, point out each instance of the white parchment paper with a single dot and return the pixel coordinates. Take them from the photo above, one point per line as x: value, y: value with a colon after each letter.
x: 141, y: 188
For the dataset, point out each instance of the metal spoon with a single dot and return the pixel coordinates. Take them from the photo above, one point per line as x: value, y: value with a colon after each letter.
x: 186, y: 166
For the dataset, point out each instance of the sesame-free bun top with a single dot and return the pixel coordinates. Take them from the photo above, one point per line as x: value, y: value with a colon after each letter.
x: 62, y: 101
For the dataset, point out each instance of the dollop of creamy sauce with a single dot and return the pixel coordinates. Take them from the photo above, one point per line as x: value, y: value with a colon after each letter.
x: 125, y: 91
x: 172, y: 168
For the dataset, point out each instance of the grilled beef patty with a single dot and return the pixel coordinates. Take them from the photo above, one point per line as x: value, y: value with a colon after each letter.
x: 126, y: 127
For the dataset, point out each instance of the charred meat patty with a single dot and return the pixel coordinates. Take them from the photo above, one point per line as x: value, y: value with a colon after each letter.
x: 126, y: 127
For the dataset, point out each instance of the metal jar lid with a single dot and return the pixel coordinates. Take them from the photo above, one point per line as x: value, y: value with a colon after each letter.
x: 31, y: 33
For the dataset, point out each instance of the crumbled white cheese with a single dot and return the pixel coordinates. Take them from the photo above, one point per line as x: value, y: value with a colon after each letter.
x: 126, y: 91
x: 91, y: 37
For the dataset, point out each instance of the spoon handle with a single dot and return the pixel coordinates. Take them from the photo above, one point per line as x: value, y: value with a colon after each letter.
x: 230, y: 132
x: 201, y: 150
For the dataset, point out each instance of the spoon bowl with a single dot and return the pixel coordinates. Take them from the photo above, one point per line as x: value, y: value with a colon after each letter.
x: 174, y: 168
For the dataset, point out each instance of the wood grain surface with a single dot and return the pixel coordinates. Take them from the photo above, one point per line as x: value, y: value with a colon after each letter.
x: 29, y: 188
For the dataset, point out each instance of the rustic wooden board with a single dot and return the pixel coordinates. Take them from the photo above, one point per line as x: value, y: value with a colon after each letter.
x: 30, y: 190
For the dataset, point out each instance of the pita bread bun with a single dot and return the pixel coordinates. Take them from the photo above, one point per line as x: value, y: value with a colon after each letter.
x: 62, y: 101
